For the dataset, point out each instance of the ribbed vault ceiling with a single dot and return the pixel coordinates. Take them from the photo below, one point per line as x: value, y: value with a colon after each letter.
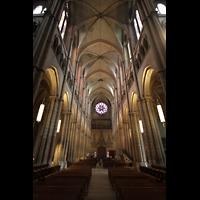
x: 100, y: 26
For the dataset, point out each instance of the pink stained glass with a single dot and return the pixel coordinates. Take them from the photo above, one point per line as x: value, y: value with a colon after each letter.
x: 101, y: 108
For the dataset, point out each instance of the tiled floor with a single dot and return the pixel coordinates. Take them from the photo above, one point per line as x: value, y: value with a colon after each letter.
x: 100, y: 187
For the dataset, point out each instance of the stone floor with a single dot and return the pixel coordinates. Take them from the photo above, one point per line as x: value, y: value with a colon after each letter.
x: 100, y: 187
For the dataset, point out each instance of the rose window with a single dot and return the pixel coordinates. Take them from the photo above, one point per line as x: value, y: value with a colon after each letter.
x: 101, y: 108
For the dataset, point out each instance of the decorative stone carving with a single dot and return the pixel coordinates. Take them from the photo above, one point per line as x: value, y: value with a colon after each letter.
x: 101, y: 139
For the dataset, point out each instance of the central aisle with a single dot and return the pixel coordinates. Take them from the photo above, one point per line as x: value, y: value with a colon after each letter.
x: 100, y: 187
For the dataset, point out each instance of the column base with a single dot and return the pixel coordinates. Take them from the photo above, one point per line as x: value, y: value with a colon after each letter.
x: 136, y: 165
x: 63, y: 165
x: 54, y: 163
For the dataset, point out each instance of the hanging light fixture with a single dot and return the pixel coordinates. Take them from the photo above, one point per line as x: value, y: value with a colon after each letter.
x: 40, y: 113
x: 160, y: 112
x: 141, y: 127
x: 58, y: 127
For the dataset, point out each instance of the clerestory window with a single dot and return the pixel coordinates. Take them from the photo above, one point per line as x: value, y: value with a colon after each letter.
x: 63, y: 22
x: 161, y: 8
x: 39, y: 9
x: 137, y: 24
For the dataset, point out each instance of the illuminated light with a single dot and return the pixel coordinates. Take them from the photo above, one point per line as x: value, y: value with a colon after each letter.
x: 161, y: 8
x: 130, y: 132
x: 40, y: 113
x: 61, y: 20
x: 160, y: 112
x: 141, y: 127
x: 58, y: 127
x: 107, y: 154
x: 33, y: 159
x: 129, y: 51
x: 37, y: 10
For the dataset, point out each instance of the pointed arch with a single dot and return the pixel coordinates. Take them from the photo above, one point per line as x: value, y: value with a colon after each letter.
x: 73, y: 112
x: 134, y: 104
x: 146, y: 87
x: 52, y: 79
x: 125, y: 113
x: 65, y: 106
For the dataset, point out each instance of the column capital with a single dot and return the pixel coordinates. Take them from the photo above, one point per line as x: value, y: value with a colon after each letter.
x: 51, y: 98
x: 66, y: 112
x: 133, y: 112
x: 146, y: 98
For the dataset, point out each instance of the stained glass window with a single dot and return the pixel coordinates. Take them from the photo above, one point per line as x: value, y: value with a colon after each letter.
x: 101, y: 108
x: 161, y: 8
x: 63, y: 21
x: 136, y: 29
x: 39, y: 9
x: 138, y: 24
x: 139, y: 20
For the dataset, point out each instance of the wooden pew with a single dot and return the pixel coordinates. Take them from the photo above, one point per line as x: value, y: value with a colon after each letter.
x: 158, y: 173
x: 132, y: 177
x: 122, y: 164
x: 112, y: 170
x: 136, y: 185
x: 146, y: 192
x: 140, y: 197
x: 35, y: 167
x: 39, y: 173
x: 65, y: 182
x: 69, y: 179
x: 60, y: 177
x: 84, y: 164
x: 159, y: 167
x: 120, y: 183
x: 54, y: 191
x: 47, y: 196
x: 126, y: 175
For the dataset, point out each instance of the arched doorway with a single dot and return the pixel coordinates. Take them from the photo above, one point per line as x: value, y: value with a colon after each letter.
x: 101, y: 151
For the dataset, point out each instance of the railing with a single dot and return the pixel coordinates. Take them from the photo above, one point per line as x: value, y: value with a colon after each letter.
x: 126, y: 155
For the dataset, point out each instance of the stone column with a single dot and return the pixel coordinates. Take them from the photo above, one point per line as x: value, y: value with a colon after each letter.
x: 65, y: 141
x: 50, y: 132
x: 85, y: 148
x: 69, y: 142
x: 153, y: 143
x: 139, y: 146
x: 73, y: 142
x: 84, y: 143
x: 129, y: 149
x: 40, y: 130
x: 122, y: 137
x: 44, y: 137
x: 77, y: 139
x: 60, y: 139
x: 52, y: 148
x: 80, y: 143
x: 161, y: 160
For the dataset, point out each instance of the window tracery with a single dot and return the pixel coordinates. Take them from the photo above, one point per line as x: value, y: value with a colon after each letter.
x: 63, y: 21
x: 137, y: 24
x: 101, y: 108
